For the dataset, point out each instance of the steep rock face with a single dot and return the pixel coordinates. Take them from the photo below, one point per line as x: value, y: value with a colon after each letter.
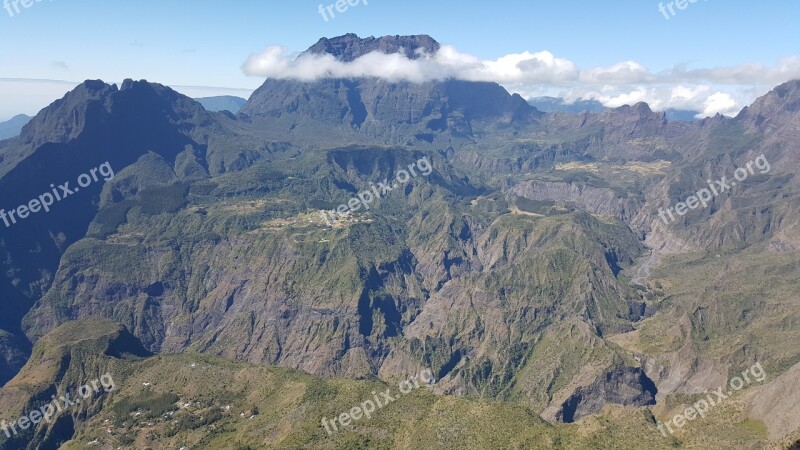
x: 350, y: 47
x: 62, y: 121
x: 625, y: 133
x: 772, y: 110
x: 99, y: 123
x: 684, y: 372
x: 487, y: 330
x: 764, y: 206
x: 387, y: 109
x: 594, y: 200
x: 391, y: 110
x: 622, y: 385
x: 93, y: 124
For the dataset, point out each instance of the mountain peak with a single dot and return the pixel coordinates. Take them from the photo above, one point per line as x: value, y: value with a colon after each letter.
x: 350, y: 47
x: 784, y: 98
x: 64, y: 119
x: 640, y: 108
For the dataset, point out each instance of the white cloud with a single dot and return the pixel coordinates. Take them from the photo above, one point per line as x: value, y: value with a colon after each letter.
x: 721, y: 103
x: 743, y: 74
x: 723, y: 90
x: 526, y: 67
x: 701, y: 98
x: 541, y: 67
x: 622, y: 73
x: 624, y: 98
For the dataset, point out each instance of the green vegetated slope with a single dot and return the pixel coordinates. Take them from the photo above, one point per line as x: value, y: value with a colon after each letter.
x: 721, y: 313
x: 199, y: 265
x: 201, y: 401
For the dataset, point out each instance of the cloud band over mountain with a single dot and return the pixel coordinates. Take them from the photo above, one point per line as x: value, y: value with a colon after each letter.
x: 723, y: 90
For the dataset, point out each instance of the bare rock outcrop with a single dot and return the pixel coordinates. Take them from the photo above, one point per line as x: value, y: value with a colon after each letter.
x: 600, y: 201
x: 628, y: 386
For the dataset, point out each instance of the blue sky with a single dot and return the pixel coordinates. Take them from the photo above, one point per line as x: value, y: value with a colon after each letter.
x: 205, y: 43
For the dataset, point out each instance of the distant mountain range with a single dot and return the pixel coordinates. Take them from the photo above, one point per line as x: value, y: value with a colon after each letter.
x: 13, y: 126
x: 222, y: 103
x: 530, y: 270
x: 555, y: 104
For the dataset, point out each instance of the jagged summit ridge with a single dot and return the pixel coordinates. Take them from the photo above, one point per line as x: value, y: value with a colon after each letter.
x: 784, y: 98
x: 350, y: 47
